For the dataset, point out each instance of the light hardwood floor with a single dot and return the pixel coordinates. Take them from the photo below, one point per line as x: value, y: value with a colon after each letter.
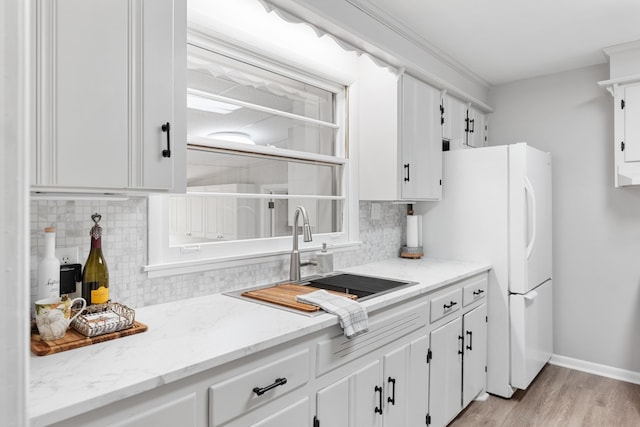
x: 560, y: 397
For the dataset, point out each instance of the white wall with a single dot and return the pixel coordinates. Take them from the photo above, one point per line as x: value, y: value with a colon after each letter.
x: 596, y: 227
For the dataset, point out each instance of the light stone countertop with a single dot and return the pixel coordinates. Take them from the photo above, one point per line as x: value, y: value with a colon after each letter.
x: 193, y: 335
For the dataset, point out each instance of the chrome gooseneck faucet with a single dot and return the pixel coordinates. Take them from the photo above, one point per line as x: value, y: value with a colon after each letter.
x: 294, y: 271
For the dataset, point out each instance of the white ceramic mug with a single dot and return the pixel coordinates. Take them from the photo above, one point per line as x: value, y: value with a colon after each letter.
x: 53, y: 316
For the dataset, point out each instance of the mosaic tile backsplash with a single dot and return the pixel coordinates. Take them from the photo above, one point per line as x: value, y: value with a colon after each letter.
x: 124, y: 225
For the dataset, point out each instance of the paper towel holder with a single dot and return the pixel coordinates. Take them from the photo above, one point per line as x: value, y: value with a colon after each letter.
x: 413, y: 252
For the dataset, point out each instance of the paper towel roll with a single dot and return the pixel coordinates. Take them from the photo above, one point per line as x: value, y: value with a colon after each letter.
x: 412, y: 231
x: 419, y: 230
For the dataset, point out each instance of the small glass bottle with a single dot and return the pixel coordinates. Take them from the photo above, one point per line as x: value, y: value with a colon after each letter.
x: 49, y: 267
x: 95, y: 274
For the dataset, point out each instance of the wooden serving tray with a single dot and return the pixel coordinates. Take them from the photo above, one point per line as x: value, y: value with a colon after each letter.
x: 285, y: 295
x: 74, y: 339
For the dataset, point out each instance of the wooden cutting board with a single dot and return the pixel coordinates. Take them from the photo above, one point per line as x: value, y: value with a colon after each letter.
x: 285, y: 295
x: 74, y: 339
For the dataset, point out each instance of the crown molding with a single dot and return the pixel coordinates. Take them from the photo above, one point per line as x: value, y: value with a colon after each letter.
x: 400, y: 28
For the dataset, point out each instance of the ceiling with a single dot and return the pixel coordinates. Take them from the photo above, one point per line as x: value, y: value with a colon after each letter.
x: 508, y: 40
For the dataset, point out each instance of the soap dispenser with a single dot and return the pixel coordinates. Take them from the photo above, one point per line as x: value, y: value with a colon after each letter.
x: 324, y: 259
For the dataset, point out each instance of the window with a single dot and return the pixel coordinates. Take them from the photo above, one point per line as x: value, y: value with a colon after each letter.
x: 262, y: 140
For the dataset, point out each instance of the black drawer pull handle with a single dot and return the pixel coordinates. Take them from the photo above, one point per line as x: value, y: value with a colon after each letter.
x: 478, y: 292
x: 448, y: 306
x: 392, y: 399
x: 378, y: 409
x: 470, y: 345
x: 278, y: 382
x: 167, y: 128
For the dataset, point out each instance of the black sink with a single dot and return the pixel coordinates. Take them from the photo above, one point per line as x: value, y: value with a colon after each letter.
x: 355, y: 284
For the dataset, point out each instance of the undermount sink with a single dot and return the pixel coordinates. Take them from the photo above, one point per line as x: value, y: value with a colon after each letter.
x: 363, y: 287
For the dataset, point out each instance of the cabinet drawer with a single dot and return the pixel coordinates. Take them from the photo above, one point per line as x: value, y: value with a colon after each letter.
x: 474, y: 291
x: 446, y: 304
x: 239, y: 394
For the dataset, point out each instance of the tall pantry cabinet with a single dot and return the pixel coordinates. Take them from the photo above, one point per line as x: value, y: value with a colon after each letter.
x: 109, y: 91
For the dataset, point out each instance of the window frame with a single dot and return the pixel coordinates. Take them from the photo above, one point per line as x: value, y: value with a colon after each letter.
x: 164, y: 259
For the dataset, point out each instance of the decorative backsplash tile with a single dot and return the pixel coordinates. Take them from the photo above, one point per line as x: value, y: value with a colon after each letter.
x: 124, y: 245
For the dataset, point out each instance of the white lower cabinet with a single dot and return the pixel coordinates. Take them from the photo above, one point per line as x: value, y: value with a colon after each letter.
x: 457, y: 359
x: 445, y: 379
x: 474, y: 374
x: 332, y: 404
x: 391, y: 391
x: 410, y: 369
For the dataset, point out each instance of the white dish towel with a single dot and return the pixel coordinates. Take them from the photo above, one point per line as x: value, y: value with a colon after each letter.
x: 353, y: 316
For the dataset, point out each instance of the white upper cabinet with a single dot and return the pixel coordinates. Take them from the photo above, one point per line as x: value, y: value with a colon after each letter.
x: 476, y: 130
x: 111, y: 95
x: 400, y: 137
x: 627, y: 134
x: 454, y: 114
x: 624, y: 85
x: 463, y: 125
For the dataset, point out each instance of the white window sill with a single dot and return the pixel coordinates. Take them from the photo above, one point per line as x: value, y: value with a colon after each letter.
x: 199, y: 265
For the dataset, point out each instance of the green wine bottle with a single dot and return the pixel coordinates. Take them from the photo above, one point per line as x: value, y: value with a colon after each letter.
x: 95, y: 275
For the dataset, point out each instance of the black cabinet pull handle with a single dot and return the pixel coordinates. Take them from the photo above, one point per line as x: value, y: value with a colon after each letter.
x: 278, y: 382
x: 461, y: 340
x: 408, y: 176
x: 470, y: 345
x: 378, y: 409
x: 167, y: 128
x: 473, y: 127
x: 478, y: 292
x: 392, y: 399
x: 448, y: 306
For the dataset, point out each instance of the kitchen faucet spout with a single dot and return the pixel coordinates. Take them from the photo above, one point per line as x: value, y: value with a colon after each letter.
x: 294, y: 269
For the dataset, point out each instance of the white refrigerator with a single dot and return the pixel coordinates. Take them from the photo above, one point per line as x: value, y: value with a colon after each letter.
x: 496, y: 208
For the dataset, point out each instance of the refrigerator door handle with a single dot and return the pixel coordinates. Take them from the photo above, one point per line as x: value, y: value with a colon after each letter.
x: 531, y: 218
x: 530, y: 296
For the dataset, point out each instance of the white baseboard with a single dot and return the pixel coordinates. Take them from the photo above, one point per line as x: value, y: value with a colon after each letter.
x: 596, y: 369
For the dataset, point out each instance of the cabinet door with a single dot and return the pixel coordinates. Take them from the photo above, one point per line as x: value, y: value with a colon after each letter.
x: 83, y: 90
x: 445, y: 373
x: 395, y: 381
x: 476, y: 131
x: 377, y: 117
x: 418, y: 382
x: 332, y: 404
x: 105, y: 86
x: 453, y: 128
x: 474, y: 375
x: 158, y: 55
x: 421, y: 140
x: 632, y: 123
x: 367, y: 394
